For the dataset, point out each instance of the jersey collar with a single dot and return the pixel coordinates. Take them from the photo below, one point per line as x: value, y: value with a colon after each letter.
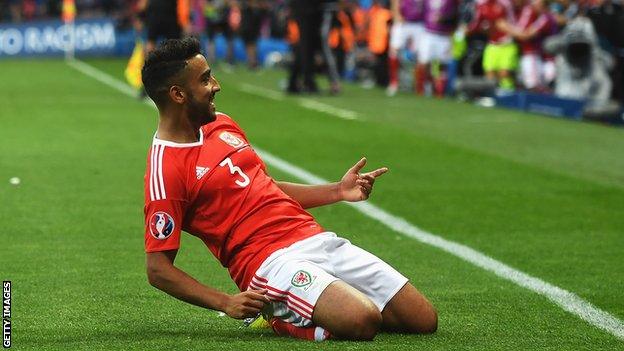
x: 174, y: 144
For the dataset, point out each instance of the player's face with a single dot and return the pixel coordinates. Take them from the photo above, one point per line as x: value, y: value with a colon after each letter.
x: 201, y: 88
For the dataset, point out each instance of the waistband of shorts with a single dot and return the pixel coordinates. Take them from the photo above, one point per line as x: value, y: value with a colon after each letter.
x: 278, y: 253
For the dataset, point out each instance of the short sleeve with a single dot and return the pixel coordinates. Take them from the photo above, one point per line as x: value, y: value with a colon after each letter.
x: 165, y: 201
x: 163, y: 221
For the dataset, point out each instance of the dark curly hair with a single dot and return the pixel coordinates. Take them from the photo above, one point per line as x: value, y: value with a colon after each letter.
x: 163, y: 66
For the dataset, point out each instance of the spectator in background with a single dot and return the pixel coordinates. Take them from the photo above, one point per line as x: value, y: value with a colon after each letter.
x: 358, y: 18
x: 308, y: 17
x: 14, y: 10
x: 607, y: 17
x: 53, y: 8
x: 278, y: 19
x: 295, y: 68
x: 563, y: 11
x: 253, y: 13
x: 533, y: 26
x: 581, y: 64
x: 163, y: 19
x: 378, y: 33
x: 501, y: 54
x: 407, y: 28
x: 441, y: 19
x: 216, y: 14
x: 29, y: 10
x: 330, y: 10
x: 342, y: 36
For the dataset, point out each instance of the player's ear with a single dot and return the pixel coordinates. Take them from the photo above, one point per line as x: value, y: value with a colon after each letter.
x: 177, y: 94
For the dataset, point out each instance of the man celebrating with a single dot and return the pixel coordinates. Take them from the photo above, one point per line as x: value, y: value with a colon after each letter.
x: 203, y: 177
x: 501, y: 54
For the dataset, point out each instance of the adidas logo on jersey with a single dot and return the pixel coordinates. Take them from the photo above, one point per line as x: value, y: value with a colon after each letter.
x: 200, y: 171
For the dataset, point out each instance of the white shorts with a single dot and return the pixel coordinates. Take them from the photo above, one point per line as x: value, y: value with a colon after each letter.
x: 296, y: 276
x: 549, y: 70
x: 404, y: 32
x: 531, y: 71
x: 435, y: 47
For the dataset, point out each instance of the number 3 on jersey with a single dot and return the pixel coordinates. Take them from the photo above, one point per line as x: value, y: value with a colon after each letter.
x: 235, y: 169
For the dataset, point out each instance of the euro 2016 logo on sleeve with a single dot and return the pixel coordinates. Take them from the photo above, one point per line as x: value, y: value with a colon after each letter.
x: 161, y: 225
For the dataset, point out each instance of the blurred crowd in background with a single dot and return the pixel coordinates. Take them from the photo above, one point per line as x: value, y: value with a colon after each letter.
x: 571, y: 48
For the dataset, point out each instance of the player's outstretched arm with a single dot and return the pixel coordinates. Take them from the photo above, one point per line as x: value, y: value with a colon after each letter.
x: 163, y: 275
x: 354, y: 186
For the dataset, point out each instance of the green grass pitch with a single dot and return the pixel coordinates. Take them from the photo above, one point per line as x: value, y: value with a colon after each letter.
x: 542, y: 195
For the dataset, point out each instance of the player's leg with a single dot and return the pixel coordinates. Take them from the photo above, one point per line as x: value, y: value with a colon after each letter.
x: 409, y: 311
x: 425, y: 56
x: 489, y: 65
x: 404, y: 309
x: 299, y: 310
x: 211, y: 50
x: 530, y: 71
x: 442, y: 54
x: 347, y: 313
x: 150, y: 45
x: 416, y: 35
x: 341, y: 312
x: 153, y: 33
x: 249, y: 36
x: 507, y: 64
x: 308, y: 301
x: 228, y: 34
x: 397, y: 40
x: 549, y: 72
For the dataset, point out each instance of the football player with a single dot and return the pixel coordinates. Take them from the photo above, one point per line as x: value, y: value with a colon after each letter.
x: 203, y: 177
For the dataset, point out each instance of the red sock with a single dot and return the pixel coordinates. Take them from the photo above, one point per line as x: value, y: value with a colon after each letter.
x: 393, y: 70
x: 313, y: 333
x: 420, y: 78
x: 440, y: 85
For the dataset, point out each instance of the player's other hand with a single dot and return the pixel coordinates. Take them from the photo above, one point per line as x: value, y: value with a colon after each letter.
x: 246, y: 304
x: 356, y: 186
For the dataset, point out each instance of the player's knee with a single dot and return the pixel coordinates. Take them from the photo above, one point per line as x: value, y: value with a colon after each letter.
x: 365, y: 325
x: 429, y: 322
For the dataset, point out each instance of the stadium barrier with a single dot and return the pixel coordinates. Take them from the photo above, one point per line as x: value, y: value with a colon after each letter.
x: 96, y: 37
x: 54, y: 38
x: 542, y: 103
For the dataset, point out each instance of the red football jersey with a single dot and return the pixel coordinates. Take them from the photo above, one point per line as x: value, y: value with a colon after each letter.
x: 218, y: 190
x: 487, y: 13
x: 530, y: 19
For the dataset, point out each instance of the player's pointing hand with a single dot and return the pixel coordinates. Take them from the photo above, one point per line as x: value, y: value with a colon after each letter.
x: 356, y: 186
x: 246, y: 304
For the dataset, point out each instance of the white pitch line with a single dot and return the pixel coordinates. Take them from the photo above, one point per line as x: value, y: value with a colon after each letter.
x: 266, y: 93
x: 325, y: 108
x: 563, y: 298
x: 303, y: 102
x: 106, y: 79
